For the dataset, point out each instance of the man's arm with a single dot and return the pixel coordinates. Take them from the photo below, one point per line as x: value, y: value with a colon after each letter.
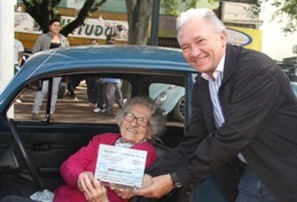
x: 159, y: 186
x: 194, y: 134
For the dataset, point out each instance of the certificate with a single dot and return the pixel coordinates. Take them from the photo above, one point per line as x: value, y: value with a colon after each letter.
x: 120, y: 166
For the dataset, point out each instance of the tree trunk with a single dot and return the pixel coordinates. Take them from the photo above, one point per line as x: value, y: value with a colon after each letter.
x: 139, y: 13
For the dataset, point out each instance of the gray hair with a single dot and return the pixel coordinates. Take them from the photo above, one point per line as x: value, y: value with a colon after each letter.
x: 158, y: 119
x: 198, y: 14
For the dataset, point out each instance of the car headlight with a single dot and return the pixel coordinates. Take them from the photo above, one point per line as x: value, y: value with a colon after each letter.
x: 161, y: 99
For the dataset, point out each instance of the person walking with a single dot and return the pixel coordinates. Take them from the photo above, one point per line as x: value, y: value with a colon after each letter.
x: 18, y: 55
x: 50, y: 40
x: 110, y: 86
x: 242, y: 108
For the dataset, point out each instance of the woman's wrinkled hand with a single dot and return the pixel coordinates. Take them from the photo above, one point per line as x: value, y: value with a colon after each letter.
x: 93, y: 189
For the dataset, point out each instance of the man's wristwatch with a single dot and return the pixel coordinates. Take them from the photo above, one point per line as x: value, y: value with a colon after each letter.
x: 175, y: 180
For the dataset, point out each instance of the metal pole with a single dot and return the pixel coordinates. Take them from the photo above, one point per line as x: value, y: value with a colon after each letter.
x: 155, y: 23
x: 6, y: 41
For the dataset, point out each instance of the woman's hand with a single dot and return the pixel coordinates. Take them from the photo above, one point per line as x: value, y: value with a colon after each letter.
x: 93, y: 190
x: 84, y: 180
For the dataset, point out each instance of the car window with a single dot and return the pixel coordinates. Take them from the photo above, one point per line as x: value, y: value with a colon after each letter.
x: 82, y: 99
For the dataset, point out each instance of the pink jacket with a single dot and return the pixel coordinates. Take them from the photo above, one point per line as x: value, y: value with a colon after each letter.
x: 85, y: 160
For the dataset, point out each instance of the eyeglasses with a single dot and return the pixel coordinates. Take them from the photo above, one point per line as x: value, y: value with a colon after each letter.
x: 142, y: 122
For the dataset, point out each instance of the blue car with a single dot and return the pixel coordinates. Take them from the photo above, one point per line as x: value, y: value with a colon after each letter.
x: 32, y: 151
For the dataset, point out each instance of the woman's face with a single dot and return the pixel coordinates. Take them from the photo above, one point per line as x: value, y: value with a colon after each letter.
x: 55, y: 28
x: 135, y: 126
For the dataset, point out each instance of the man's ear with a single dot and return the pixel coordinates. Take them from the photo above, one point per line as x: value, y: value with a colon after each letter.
x: 223, y: 37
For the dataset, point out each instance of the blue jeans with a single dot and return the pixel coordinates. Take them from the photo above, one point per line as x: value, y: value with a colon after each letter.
x: 209, y: 190
x: 252, y: 189
x: 40, y: 95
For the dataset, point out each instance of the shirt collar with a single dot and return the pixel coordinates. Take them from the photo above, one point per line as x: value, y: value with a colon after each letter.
x: 219, y: 70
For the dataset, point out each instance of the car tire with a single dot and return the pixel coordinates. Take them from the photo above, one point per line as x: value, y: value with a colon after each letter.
x: 178, y: 112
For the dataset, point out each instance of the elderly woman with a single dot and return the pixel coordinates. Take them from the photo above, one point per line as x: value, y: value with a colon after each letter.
x: 139, y: 121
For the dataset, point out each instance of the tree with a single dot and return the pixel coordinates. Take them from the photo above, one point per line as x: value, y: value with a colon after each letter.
x: 285, y: 7
x: 44, y: 10
x: 171, y: 7
x: 139, y: 13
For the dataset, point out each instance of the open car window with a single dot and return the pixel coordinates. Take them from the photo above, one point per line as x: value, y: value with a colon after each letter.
x: 79, y: 97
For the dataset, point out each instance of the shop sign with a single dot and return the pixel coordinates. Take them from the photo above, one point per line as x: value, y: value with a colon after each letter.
x: 92, y: 28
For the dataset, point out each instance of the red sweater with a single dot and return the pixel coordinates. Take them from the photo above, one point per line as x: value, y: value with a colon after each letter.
x: 85, y: 160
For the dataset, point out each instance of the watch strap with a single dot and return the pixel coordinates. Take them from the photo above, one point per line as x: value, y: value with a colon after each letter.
x: 175, y: 180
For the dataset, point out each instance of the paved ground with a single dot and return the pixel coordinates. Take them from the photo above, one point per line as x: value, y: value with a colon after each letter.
x: 67, y: 108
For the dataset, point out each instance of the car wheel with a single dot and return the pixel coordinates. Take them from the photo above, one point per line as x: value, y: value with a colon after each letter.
x: 178, y: 113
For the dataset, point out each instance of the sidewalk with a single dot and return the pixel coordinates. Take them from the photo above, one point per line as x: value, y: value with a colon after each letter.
x: 68, y: 110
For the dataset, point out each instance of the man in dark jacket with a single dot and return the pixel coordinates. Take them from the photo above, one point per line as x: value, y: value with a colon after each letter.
x: 243, y: 108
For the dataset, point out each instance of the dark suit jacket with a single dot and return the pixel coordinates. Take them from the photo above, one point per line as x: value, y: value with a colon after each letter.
x: 260, y: 111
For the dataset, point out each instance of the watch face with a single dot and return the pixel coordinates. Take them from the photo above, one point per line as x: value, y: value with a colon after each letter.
x: 177, y: 184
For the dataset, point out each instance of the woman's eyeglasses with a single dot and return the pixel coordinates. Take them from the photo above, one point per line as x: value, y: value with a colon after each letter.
x: 142, y: 122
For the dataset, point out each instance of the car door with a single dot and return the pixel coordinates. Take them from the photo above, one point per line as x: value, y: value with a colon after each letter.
x: 50, y: 142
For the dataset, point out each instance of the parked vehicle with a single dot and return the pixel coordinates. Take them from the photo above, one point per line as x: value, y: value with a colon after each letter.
x: 31, y: 151
x: 291, y: 70
x: 170, y: 98
x: 160, y: 73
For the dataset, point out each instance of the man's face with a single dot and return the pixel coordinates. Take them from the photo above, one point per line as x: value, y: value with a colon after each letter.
x: 202, y: 47
x: 93, y: 42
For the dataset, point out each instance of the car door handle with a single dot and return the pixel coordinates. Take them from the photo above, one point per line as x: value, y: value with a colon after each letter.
x: 41, y: 147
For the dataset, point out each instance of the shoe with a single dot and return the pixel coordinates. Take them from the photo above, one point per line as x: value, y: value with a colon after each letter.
x: 92, y: 105
x: 18, y: 100
x: 106, y: 113
x: 96, y: 110
x: 36, y: 117
x: 51, y: 118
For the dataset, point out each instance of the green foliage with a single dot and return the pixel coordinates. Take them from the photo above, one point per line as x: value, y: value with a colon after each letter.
x: 172, y: 7
x: 290, y: 8
x: 285, y: 7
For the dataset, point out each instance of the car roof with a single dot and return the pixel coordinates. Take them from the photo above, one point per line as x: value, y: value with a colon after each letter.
x: 91, y: 59
x: 106, y: 56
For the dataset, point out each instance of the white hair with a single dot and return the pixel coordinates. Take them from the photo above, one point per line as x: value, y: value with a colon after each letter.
x: 198, y: 14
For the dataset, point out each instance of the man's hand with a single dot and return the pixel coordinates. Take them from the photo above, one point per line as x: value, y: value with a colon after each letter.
x: 160, y: 186
x: 147, y: 180
x: 123, y: 193
x: 127, y: 194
